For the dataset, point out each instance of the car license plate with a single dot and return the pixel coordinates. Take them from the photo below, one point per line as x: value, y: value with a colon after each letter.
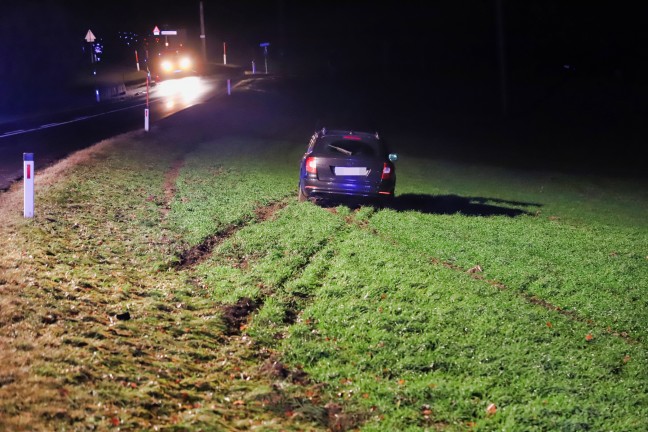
x: 351, y: 171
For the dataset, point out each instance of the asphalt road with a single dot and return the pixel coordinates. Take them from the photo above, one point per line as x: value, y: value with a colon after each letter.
x: 53, y: 136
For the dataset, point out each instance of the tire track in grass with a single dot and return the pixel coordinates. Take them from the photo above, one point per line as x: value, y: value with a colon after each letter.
x: 330, y: 414
x: 475, y: 273
x: 294, y: 392
x: 200, y: 252
x: 170, y: 184
x: 236, y: 316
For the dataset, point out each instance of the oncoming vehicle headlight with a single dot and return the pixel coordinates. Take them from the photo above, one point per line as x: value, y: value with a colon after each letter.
x: 167, y: 66
x: 185, y: 63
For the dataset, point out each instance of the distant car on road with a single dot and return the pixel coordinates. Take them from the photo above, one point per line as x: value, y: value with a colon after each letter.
x: 173, y: 64
x: 341, y: 164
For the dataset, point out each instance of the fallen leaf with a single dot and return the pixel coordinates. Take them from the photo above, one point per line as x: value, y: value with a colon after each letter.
x: 238, y: 402
x: 589, y: 337
x: 476, y: 269
x: 401, y: 381
x: 114, y: 421
x: 491, y: 409
x: 549, y: 324
x: 626, y: 359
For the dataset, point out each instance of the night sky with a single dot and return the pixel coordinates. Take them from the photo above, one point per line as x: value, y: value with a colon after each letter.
x: 555, y: 58
x: 541, y: 39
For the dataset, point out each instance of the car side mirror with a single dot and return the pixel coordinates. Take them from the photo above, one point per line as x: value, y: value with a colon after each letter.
x: 393, y: 157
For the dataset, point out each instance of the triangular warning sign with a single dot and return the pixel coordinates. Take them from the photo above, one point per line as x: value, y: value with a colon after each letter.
x: 89, y: 37
x: 156, y: 31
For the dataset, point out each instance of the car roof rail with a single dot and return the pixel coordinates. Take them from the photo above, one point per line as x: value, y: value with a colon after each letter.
x: 323, y: 131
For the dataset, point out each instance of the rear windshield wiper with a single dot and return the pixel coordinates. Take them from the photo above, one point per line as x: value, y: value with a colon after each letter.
x: 341, y: 150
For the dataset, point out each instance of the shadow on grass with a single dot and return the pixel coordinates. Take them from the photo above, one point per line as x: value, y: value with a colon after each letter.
x: 451, y: 204
x: 446, y: 204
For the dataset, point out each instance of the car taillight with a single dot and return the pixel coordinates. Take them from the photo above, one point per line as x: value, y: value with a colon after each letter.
x: 387, y: 172
x: 311, y: 165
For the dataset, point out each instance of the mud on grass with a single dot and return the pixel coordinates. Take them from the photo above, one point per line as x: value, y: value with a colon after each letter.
x: 94, y: 336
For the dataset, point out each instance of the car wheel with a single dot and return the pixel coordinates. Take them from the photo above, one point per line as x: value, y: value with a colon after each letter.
x: 301, y: 196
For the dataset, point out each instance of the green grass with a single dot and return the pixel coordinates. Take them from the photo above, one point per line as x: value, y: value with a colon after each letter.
x: 384, y: 312
x: 371, y: 314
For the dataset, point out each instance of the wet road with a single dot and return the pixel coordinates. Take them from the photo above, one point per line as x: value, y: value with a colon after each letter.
x: 52, y: 137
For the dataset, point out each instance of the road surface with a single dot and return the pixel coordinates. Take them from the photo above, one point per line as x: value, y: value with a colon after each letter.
x: 54, y: 136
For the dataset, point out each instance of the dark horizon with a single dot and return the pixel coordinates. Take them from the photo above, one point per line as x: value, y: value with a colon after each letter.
x: 566, y: 73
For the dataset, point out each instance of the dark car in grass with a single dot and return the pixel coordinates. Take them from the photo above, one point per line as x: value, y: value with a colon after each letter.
x: 344, y: 164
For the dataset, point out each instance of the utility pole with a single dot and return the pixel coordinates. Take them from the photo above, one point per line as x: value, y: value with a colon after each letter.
x: 202, y: 34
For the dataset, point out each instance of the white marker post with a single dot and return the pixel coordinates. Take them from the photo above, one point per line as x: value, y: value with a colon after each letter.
x: 146, y: 110
x: 224, y: 53
x: 28, y: 180
x: 137, y: 61
x: 229, y: 87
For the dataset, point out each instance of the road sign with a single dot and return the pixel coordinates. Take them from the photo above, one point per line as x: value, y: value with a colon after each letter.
x: 264, y: 44
x: 89, y: 37
x: 168, y: 32
x: 156, y: 31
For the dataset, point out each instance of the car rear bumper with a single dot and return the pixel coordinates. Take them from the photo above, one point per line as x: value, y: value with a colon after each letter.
x: 317, y: 189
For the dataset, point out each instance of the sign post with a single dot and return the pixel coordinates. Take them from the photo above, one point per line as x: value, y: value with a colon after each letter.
x: 28, y: 177
x: 90, y: 38
x: 202, y: 34
x: 265, y: 46
x: 224, y: 53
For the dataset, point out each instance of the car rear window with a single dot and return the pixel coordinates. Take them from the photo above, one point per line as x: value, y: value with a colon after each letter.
x: 348, y: 147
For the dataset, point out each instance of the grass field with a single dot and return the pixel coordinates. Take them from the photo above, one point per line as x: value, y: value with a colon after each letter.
x: 186, y: 288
